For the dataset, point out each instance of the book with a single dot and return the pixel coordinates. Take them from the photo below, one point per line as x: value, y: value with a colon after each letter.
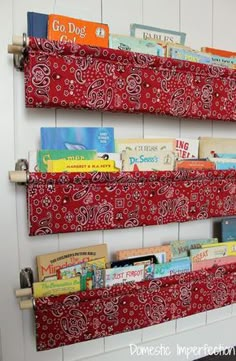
x: 93, y: 165
x: 148, y: 161
x: 230, y: 247
x: 188, y: 55
x: 37, y: 25
x: 64, y: 28
x: 223, y: 163
x: 208, y: 263
x: 187, y: 148
x: 219, y: 52
x: 209, y: 146
x: 145, y: 260
x: 111, y: 156
x: 152, y: 33
x: 137, y: 252
x: 180, y: 265
x: 194, y: 164
x: 56, y: 288
x: 79, y: 269
x: 93, y: 138
x: 43, y: 156
x: 48, y: 264
x: 146, y: 145
x: 228, y: 230
x: 181, y: 248
x: 117, y: 275
x: 130, y: 43
x: 204, y: 253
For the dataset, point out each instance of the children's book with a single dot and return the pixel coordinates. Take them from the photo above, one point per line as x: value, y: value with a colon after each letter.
x: 228, y: 230
x: 93, y: 165
x: 130, y: 43
x: 48, y: 264
x: 223, y: 163
x: 93, y: 138
x: 187, y: 148
x: 194, y: 164
x: 145, y: 145
x: 208, y: 263
x: 37, y: 25
x: 64, y: 28
x: 230, y: 247
x: 204, y: 253
x: 79, y: 269
x: 137, y: 252
x: 188, y: 55
x: 56, y: 288
x: 210, y: 146
x: 180, y: 265
x: 148, y: 161
x: 152, y: 33
x: 219, y: 52
x: 118, y: 275
x: 111, y: 156
x: 181, y: 248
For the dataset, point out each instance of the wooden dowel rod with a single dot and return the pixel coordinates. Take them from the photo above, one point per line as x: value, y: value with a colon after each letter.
x: 14, y: 49
x: 26, y: 304
x: 23, y: 292
x: 18, y: 176
x: 19, y: 40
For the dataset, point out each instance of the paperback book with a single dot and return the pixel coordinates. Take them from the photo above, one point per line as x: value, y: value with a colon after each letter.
x: 137, y: 252
x: 180, y: 265
x: 56, y: 288
x: 148, y: 161
x: 208, y: 263
x: 119, y: 275
x: 210, y: 147
x: 187, y: 148
x: 152, y: 33
x: 181, y: 248
x: 95, y: 165
x: 145, y: 145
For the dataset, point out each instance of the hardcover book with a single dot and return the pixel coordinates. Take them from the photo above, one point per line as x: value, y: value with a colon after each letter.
x: 126, y: 274
x: 228, y: 230
x: 181, y: 248
x: 130, y: 43
x: 137, y: 252
x: 152, y: 33
x: 223, y: 163
x: 64, y: 28
x: 187, y: 148
x: 194, y: 164
x: 81, y: 268
x: 219, y: 52
x: 189, y: 55
x: 37, y: 25
x: 93, y: 138
x: 48, y: 264
x: 94, y: 165
x: 208, y: 263
x: 180, y: 265
x: 145, y: 145
x: 209, y: 146
x: 204, y: 253
x: 148, y: 161
x: 43, y: 156
x: 230, y: 246
x: 56, y: 288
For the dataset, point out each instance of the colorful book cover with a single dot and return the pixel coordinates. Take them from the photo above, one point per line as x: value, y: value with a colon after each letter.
x: 48, y: 264
x: 228, y: 230
x: 208, y: 263
x: 219, y: 52
x: 92, y: 138
x: 194, y: 164
x: 118, y: 275
x: 180, y: 265
x: 64, y: 28
x: 79, y: 269
x: 37, y: 25
x: 181, y: 248
x: 223, y: 163
x: 152, y: 33
x: 148, y: 161
x: 225, y: 155
x: 189, y: 55
x: 94, y: 165
x: 130, y: 43
x: 137, y: 252
x: 230, y: 246
x: 210, y: 146
x: 111, y: 156
x: 43, y: 156
x: 201, y: 254
x: 187, y: 148
x: 134, y: 261
x: 145, y: 145
x: 56, y: 288
x: 223, y: 61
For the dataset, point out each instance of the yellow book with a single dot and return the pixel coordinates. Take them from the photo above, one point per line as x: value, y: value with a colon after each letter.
x: 56, y: 288
x: 230, y: 246
x: 93, y: 165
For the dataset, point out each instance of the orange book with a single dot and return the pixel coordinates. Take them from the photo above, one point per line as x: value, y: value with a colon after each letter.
x: 219, y: 52
x: 194, y: 164
x: 64, y: 28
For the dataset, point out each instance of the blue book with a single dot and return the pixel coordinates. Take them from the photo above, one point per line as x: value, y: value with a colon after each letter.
x: 37, y: 25
x: 91, y: 138
x: 228, y: 230
x: 177, y: 266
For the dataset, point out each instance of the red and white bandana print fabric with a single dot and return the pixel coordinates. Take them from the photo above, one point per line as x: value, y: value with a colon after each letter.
x: 66, y: 75
x: 73, y: 202
x: 67, y: 319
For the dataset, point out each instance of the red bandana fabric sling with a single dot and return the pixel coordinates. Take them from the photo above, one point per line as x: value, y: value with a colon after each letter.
x: 66, y: 75
x: 72, y: 202
x: 67, y: 319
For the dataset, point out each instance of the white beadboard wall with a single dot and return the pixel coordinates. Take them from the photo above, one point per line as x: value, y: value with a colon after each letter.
x: 207, y: 23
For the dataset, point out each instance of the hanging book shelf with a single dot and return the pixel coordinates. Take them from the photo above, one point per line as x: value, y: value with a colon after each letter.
x: 66, y: 75
x: 86, y: 315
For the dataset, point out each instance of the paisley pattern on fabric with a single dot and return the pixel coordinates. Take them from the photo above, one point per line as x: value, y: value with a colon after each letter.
x: 67, y: 75
x: 75, y: 202
x: 64, y: 320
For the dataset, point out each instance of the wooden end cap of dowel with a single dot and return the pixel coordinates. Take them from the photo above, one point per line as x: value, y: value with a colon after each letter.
x: 18, y: 176
x: 26, y: 304
x: 14, y: 49
x: 23, y: 292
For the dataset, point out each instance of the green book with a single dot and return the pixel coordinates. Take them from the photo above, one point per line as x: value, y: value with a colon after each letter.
x: 43, y: 156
